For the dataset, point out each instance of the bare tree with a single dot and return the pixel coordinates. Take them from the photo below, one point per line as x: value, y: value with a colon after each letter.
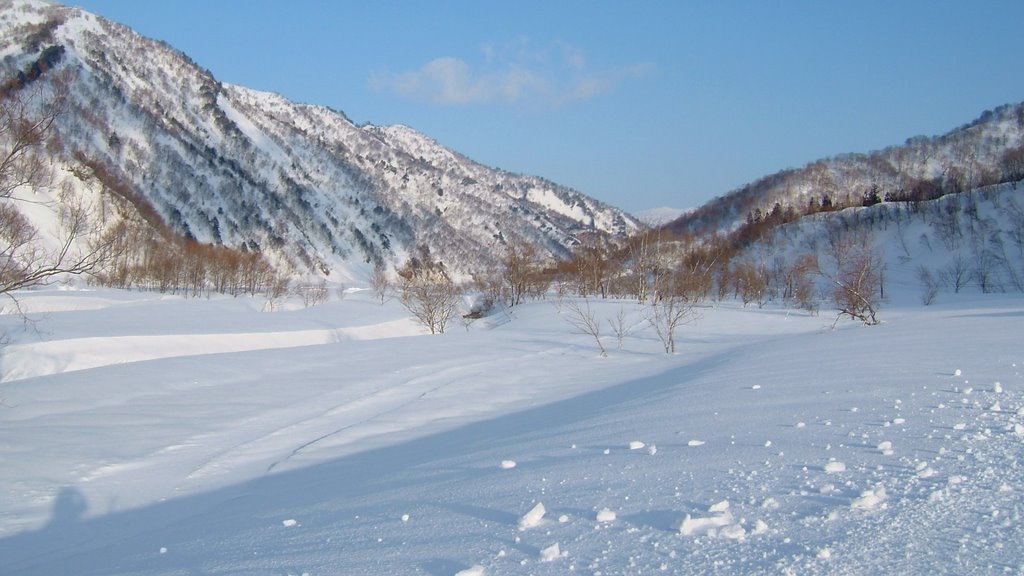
x: 521, y: 273
x: 591, y: 267
x: 25, y: 261
x: 313, y: 293
x: 27, y: 116
x: 643, y: 258
x: 620, y: 327
x: 585, y: 321
x: 752, y: 282
x: 430, y: 296
x: 929, y: 285
x: 800, y: 282
x: 666, y: 313
x: 380, y: 284
x: 957, y: 273
x: 855, y: 275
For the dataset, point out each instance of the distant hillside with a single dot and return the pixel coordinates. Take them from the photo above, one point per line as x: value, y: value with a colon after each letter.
x: 968, y: 242
x: 987, y: 151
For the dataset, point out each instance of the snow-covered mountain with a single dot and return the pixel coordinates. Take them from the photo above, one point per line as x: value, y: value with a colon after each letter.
x: 228, y: 165
x: 989, y: 150
x: 659, y: 216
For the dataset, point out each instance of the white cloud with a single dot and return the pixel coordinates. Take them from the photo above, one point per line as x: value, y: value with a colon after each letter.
x: 520, y: 74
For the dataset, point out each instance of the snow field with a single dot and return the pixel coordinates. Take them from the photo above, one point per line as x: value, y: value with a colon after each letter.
x: 389, y: 455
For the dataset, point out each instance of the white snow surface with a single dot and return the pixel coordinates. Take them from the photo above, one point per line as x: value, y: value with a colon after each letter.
x: 158, y: 436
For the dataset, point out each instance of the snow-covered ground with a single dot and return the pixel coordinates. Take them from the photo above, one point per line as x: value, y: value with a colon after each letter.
x: 141, y: 434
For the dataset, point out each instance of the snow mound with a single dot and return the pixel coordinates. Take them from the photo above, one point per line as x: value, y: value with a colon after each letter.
x: 719, y: 524
x: 870, y: 499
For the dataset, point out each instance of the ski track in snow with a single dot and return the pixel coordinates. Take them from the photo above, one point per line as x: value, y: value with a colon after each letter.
x: 434, y: 455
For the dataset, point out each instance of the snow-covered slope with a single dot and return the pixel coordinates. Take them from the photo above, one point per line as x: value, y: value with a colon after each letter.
x: 226, y: 164
x: 987, y: 151
x: 342, y: 440
x: 959, y: 242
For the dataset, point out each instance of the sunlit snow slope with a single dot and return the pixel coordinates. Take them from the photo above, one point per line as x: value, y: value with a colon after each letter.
x: 772, y: 443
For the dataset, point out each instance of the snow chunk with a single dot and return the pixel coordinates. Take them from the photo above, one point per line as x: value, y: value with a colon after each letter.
x: 698, y: 526
x: 695, y: 443
x: 652, y: 449
x: 472, y: 571
x: 636, y: 445
x: 824, y: 554
x: 957, y: 372
x: 533, y: 517
x: 997, y: 388
x: 606, y: 515
x: 835, y: 466
x: 885, y: 447
x: 289, y: 523
x: 508, y: 464
x: 720, y: 507
x: 720, y: 518
x: 870, y: 499
x: 551, y: 553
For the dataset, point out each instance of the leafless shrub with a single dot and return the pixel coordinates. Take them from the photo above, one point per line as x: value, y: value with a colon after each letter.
x: 929, y: 285
x: 583, y: 319
x: 380, y: 284
x: 666, y: 314
x: 431, y: 297
x: 855, y: 275
x: 620, y: 327
x: 312, y: 293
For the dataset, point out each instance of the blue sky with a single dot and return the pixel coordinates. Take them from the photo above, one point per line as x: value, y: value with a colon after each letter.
x: 640, y: 103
